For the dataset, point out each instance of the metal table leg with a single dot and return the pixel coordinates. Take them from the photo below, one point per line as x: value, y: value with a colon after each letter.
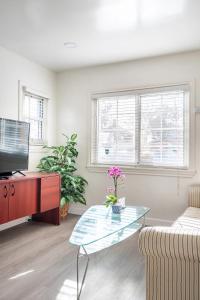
x: 79, y: 289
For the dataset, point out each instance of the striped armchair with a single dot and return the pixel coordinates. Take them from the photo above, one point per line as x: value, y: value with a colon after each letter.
x: 173, y: 255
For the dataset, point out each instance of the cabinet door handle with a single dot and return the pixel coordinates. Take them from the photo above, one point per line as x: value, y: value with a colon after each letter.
x: 5, y: 191
x: 13, y: 190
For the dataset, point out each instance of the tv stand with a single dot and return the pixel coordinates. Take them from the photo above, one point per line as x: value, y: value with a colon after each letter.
x: 35, y: 194
x: 20, y: 172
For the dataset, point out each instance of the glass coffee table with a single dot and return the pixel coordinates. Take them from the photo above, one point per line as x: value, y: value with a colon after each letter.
x: 99, y: 228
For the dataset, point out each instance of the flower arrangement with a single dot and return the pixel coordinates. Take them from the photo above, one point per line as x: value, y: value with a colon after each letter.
x: 117, y: 175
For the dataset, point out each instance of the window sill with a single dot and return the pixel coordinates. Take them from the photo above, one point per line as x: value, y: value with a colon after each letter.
x: 156, y: 171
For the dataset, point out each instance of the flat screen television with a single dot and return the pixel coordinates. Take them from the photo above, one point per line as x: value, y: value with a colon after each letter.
x: 14, y: 146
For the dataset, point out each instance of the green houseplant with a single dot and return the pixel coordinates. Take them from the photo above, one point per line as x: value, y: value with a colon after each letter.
x: 62, y: 159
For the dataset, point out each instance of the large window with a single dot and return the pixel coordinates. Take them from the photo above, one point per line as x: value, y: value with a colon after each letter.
x: 35, y: 112
x: 143, y: 127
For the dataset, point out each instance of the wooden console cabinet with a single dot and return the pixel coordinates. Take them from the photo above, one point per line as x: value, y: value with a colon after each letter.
x: 36, y: 195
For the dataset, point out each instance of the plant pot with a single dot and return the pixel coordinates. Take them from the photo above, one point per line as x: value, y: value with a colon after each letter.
x: 116, y: 209
x: 64, y: 210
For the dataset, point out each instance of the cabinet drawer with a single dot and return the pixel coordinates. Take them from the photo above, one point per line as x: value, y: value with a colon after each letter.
x: 50, y: 193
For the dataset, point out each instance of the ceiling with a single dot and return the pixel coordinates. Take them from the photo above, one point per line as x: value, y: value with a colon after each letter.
x: 104, y: 31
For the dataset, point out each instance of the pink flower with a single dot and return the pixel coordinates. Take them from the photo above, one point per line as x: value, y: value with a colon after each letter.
x: 114, y: 172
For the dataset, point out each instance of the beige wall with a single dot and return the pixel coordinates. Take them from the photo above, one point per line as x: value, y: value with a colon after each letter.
x: 14, y: 68
x: 165, y: 195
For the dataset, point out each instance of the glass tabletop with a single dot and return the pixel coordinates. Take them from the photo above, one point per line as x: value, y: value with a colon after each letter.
x: 100, y: 227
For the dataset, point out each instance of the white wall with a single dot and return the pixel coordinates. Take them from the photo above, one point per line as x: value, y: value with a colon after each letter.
x: 14, y: 68
x: 74, y: 88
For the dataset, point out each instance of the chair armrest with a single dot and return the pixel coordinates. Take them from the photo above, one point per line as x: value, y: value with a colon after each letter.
x: 170, y: 242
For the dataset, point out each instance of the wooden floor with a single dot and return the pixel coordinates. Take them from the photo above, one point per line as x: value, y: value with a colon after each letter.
x: 37, y: 262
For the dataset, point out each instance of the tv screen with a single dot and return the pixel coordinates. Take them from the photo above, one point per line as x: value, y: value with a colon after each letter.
x: 14, y: 145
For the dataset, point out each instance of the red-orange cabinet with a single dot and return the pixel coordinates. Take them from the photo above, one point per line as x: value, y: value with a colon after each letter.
x: 36, y: 195
x: 22, y: 198
x: 4, y: 191
x: 50, y: 193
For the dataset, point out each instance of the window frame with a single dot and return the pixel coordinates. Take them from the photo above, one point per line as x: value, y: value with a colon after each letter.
x: 188, y: 171
x: 36, y: 95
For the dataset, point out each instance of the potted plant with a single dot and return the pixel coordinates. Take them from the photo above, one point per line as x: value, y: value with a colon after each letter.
x: 62, y: 159
x: 112, y: 199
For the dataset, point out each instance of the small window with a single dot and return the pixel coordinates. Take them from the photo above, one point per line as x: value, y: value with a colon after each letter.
x: 142, y: 128
x: 35, y: 112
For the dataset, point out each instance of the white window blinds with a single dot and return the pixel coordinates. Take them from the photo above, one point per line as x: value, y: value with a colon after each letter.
x: 142, y: 128
x: 163, y: 129
x: 115, y: 141
x: 35, y: 112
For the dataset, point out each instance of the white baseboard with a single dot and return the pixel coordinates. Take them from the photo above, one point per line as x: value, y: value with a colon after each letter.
x: 77, y: 210
x: 149, y: 221
x: 13, y: 223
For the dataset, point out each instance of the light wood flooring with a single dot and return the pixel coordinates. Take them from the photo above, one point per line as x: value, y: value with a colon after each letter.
x: 37, y: 262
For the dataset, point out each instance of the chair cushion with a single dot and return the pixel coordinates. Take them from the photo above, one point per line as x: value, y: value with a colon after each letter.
x: 189, y: 220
